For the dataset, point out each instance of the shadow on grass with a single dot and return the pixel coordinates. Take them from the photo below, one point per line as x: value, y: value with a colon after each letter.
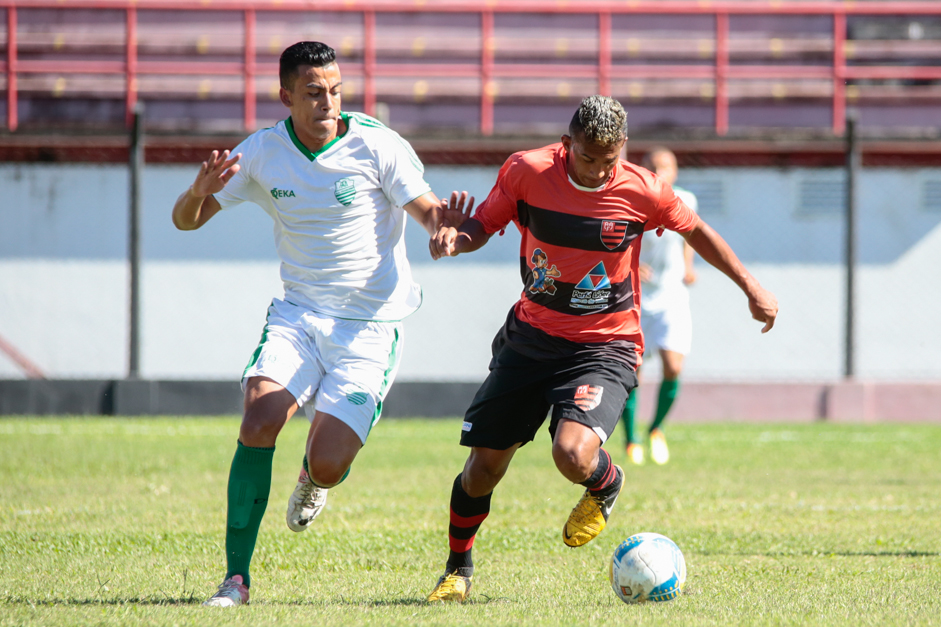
x: 872, y: 553
x: 476, y: 600
x: 402, y: 602
x: 189, y: 600
x: 192, y: 600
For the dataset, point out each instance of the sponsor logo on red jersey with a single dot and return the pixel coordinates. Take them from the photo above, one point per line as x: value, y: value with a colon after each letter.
x: 593, y: 291
x: 612, y: 233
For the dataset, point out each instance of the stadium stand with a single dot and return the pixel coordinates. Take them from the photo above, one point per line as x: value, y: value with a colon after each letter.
x: 480, y: 68
x: 752, y: 95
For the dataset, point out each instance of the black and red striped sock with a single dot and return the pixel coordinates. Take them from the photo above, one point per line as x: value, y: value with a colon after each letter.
x: 467, y: 513
x: 604, y: 474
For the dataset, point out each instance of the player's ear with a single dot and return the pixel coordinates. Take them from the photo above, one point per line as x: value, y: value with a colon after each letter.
x: 285, y: 96
x: 567, y: 143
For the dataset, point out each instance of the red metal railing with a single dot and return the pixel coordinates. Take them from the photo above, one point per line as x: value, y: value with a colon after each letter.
x: 486, y: 70
x: 131, y: 71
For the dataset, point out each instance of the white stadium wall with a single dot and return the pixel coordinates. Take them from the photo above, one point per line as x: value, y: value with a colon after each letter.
x: 64, y: 282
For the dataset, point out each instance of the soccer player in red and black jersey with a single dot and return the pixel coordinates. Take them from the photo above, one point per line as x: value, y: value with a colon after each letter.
x: 581, y: 211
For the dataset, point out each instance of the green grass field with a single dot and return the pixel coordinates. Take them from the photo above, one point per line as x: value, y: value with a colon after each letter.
x: 113, y: 522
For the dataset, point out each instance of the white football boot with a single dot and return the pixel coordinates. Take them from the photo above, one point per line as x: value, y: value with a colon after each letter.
x: 232, y: 592
x: 306, y: 503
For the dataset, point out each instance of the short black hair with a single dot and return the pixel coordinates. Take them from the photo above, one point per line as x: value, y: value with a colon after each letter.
x: 311, y: 53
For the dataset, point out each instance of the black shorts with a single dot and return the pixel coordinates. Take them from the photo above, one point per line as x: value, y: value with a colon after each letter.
x: 514, y: 400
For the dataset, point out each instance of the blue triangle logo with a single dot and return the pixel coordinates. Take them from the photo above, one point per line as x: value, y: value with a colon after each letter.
x: 596, y: 279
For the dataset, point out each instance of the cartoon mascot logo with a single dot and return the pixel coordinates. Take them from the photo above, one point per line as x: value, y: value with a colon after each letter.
x: 543, y: 282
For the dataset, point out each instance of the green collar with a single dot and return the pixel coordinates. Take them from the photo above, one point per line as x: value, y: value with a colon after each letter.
x: 289, y: 124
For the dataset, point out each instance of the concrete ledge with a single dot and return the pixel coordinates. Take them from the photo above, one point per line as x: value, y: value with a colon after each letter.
x: 698, y: 401
x: 39, y: 397
x: 753, y: 402
x: 177, y: 398
x: 801, y: 402
x: 428, y: 399
x: 871, y: 402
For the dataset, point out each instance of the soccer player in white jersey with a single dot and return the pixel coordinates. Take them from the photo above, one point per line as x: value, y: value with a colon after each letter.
x: 337, y: 186
x: 666, y: 269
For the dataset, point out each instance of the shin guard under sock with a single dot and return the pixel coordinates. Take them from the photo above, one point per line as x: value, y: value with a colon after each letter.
x: 627, y: 417
x: 604, y: 474
x: 467, y: 514
x: 669, y: 389
x: 249, y: 485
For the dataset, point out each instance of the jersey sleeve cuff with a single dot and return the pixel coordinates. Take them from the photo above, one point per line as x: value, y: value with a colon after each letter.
x: 413, y: 197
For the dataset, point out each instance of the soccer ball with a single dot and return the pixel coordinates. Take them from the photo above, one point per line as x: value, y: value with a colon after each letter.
x: 647, y: 567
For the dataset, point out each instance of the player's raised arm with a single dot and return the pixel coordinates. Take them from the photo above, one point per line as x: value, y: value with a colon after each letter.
x: 196, y: 205
x: 711, y: 247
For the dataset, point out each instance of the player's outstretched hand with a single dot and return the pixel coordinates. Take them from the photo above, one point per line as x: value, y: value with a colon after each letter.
x: 215, y: 172
x: 456, y: 210
x: 764, y: 307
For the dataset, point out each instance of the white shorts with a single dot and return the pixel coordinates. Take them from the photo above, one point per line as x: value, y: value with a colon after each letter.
x: 670, y: 330
x: 340, y: 367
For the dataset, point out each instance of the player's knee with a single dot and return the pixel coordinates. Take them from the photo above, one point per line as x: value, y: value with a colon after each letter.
x: 479, y: 479
x: 671, y: 373
x: 672, y: 365
x: 326, y: 472
x: 574, y: 462
x: 260, y: 428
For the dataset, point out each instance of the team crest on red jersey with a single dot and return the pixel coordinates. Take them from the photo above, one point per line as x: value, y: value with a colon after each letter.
x: 587, y: 397
x: 612, y: 233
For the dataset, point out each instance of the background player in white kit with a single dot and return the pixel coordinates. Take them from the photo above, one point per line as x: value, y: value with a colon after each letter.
x: 337, y: 186
x: 666, y: 269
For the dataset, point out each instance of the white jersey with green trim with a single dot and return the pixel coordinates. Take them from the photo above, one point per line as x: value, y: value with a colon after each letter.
x: 339, y: 226
x: 664, y: 255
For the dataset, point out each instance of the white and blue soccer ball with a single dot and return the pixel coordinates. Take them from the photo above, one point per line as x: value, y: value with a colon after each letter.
x: 647, y: 567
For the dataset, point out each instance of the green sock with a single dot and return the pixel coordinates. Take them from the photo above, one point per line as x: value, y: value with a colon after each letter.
x: 249, y: 485
x: 627, y: 416
x: 668, y: 392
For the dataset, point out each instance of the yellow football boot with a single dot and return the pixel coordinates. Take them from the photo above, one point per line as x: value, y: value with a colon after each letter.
x: 590, y: 515
x: 635, y: 453
x: 451, y: 588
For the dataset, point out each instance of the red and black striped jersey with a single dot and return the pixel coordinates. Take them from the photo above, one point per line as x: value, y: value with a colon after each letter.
x: 580, y: 249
